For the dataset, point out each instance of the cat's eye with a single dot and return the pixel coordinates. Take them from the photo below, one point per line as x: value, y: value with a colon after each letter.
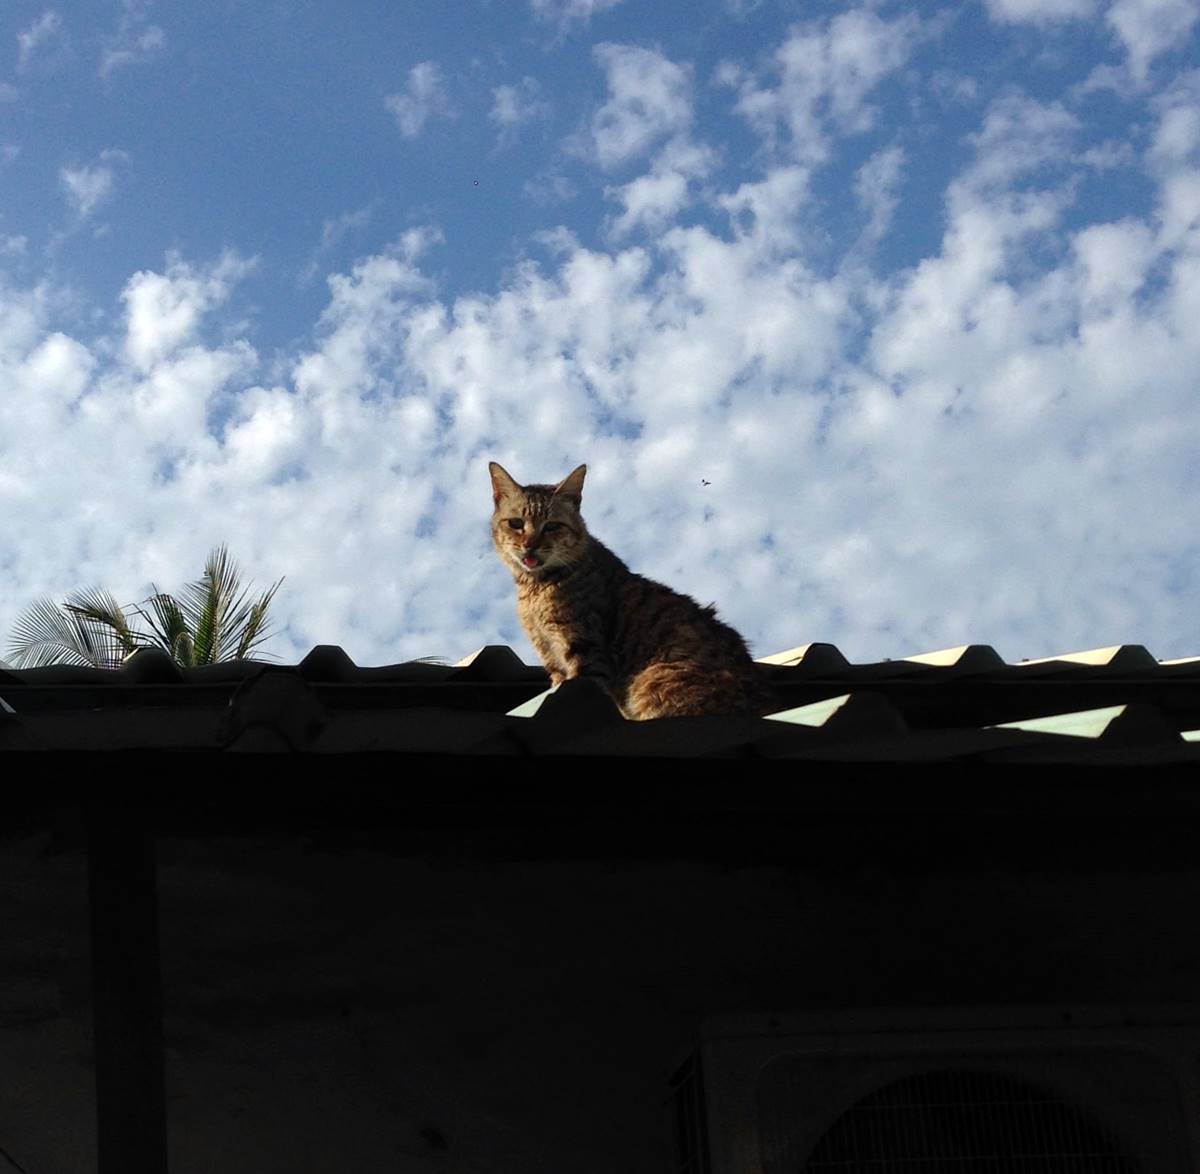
x: 516, y: 523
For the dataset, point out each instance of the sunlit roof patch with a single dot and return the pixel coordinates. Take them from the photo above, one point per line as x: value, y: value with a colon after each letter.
x: 1098, y: 656
x: 530, y: 707
x: 1086, y: 723
x: 816, y: 714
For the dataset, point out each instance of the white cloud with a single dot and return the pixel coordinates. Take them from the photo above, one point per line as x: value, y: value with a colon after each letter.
x: 569, y: 13
x: 1114, y: 261
x: 969, y: 339
x: 135, y: 42
x: 1174, y: 157
x: 649, y: 98
x: 59, y: 366
x: 1020, y: 135
x: 1039, y: 12
x: 1110, y: 155
x: 78, y: 429
x: 654, y: 199
x: 954, y: 87
x: 88, y: 186
x: 875, y: 187
x: 994, y: 359
x: 650, y: 200
x: 43, y: 43
x: 990, y: 445
x: 767, y: 211
x: 983, y: 473
x: 424, y: 97
x: 1178, y: 133
x: 1149, y: 28
x: 1179, y: 207
x: 1177, y: 136
x: 549, y: 187
x: 333, y: 231
x: 164, y: 310
x: 826, y: 72
x: 268, y: 435
x: 512, y: 106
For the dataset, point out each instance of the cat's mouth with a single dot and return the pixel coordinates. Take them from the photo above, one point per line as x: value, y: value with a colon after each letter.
x: 531, y: 561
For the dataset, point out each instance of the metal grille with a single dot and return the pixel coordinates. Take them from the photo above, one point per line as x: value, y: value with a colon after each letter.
x: 688, y: 1129
x: 965, y: 1123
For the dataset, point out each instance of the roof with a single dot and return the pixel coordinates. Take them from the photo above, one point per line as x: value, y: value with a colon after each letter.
x: 1111, y: 706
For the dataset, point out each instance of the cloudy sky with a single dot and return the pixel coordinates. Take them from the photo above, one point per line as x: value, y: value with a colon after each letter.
x: 875, y: 324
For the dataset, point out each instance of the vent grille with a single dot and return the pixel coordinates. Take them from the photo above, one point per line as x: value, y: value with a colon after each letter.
x: 962, y: 1122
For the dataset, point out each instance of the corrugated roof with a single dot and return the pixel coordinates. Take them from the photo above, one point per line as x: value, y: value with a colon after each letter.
x: 1117, y: 705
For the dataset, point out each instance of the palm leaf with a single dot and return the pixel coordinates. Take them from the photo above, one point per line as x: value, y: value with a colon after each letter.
x: 211, y: 602
x: 249, y: 627
x: 170, y: 627
x: 210, y: 621
x: 89, y: 629
x: 208, y: 603
x: 220, y: 622
x: 99, y: 607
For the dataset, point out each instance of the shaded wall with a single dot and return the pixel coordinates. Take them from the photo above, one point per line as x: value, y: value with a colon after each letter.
x: 350, y: 1002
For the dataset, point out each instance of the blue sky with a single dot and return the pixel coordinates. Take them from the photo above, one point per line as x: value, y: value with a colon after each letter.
x: 914, y: 288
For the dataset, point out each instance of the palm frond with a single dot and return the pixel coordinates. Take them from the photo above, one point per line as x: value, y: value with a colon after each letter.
x: 99, y: 607
x: 219, y: 578
x: 210, y: 621
x: 220, y: 623
x: 169, y: 626
x: 89, y: 629
x: 249, y: 627
x: 208, y: 603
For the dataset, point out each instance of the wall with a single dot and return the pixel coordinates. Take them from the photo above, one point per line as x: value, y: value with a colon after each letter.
x: 344, y: 1003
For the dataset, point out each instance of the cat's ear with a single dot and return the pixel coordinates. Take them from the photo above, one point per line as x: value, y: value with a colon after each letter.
x: 571, y: 486
x: 502, y: 483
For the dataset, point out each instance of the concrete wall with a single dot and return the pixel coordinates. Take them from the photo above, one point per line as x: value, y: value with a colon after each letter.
x: 358, y: 1009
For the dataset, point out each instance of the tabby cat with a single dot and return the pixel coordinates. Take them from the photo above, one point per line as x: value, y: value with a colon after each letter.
x: 656, y: 652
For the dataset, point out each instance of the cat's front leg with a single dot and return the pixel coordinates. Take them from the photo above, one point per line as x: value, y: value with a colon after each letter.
x: 547, y: 649
x: 585, y: 659
x: 599, y: 668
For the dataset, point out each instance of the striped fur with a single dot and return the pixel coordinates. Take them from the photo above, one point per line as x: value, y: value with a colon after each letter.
x: 658, y: 653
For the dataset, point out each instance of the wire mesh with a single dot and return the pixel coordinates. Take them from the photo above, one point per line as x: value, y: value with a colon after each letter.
x: 964, y: 1122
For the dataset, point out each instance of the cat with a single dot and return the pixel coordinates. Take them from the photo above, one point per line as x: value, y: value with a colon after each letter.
x: 656, y: 652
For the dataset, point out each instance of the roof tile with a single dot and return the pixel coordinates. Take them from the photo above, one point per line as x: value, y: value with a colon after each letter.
x: 976, y: 658
x: 1115, y: 656
x: 812, y: 657
x: 849, y: 715
x: 1115, y: 705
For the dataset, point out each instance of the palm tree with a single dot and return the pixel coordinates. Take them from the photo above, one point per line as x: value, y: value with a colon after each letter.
x: 211, y: 621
